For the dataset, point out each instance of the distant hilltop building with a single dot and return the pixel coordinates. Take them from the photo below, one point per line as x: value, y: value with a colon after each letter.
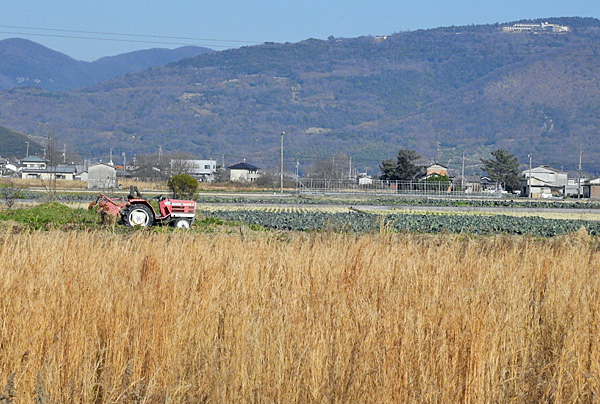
x: 541, y: 27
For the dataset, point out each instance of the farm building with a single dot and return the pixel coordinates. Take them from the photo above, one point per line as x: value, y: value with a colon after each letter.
x: 591, y: 189
x: 102, y: 176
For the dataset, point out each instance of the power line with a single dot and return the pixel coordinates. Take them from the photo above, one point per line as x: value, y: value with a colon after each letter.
x: 114, y: 39
x: 127, y: 34
x: 343, y: 42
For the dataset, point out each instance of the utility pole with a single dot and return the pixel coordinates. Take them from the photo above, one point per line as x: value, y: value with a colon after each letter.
x: 159, y: 154
x: 281, y: 170
x: 64, y: 153
x: 529, y: 179
x: 462, y: 175
x: 297, y: 176
x: 110, y: 160
x: 27, y: 152
x: 350, y: 172
x: 579, y: 177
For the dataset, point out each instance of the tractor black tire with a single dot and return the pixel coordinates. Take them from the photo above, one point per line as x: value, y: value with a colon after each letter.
x: 181, y: 223
x: 138, y: 215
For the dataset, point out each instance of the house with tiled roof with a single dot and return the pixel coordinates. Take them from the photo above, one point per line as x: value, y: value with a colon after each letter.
x: 35, y: 167
x: 243, y: 172
x: 543, y: 182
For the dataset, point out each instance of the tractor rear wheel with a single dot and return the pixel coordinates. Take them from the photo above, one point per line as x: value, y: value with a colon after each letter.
x: 138, y: 215
x: 181, y: 223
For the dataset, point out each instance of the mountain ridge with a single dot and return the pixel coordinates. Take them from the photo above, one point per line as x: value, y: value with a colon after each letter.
x: 442, y: 92
x: 27, y: 63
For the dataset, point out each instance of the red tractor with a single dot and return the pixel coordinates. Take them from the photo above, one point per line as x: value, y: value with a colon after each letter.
x: 137, y: 211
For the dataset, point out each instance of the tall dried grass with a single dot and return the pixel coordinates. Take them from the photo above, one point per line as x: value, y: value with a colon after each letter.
x: 44, y: 184
x: 94, y: 317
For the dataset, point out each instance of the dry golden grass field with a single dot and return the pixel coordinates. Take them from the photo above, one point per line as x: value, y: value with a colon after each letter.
x: 173, y: 317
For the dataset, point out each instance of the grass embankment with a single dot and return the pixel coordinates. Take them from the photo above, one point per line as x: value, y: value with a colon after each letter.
x: 95, y: 317
x: 49, y: 215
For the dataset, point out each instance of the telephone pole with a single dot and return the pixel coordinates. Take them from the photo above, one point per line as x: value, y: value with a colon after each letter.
x: 297, y: 175
x: 281, y: 170
x: 350, y: 172
x: 529, y: 179
x: 579, y: 177
x: 462, y: 175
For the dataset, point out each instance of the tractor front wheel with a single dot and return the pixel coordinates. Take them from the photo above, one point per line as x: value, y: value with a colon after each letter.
x: 138, y: 215
x: 181, y: 223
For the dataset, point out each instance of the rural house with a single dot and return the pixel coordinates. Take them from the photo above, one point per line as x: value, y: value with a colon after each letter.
x: 243, y: 172
x: 436, y: 169
x: 35, y: 167
x: 545, y: 182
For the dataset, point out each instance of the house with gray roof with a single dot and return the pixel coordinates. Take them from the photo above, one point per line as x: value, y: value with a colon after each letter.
x: 243, y: 172
x: 35, y: 167
x: 544, y: 182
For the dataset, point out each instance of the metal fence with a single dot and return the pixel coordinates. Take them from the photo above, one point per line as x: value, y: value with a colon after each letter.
x: 389, y: 188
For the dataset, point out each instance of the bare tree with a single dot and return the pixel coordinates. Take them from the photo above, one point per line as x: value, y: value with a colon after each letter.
x: 52, y: 159
x: 151, y: 167
x: 333, y: 168
x: 10, y: 193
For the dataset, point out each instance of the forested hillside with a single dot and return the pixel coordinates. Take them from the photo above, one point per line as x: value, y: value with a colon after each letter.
x: 14, y: 144
x: 441, y: 92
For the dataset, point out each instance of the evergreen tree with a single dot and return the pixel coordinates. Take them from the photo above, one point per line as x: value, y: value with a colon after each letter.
x: 403, y: 169
x: 183, y: 186
x: 504, y: 169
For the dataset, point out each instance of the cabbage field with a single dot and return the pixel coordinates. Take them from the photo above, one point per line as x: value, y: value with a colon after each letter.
x: 358, y: 221
x: 572, y: 204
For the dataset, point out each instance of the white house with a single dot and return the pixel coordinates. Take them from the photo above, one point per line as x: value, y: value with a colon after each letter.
x: 203, y: 170
x: 544, y: 181
x: 35, y: 167
x: 243, y: 172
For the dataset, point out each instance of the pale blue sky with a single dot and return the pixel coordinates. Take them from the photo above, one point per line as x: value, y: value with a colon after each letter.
x: 221, y: 24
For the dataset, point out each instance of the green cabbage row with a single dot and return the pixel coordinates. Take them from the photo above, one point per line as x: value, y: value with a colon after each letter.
x: 383, y: 201
x: 421, y: 223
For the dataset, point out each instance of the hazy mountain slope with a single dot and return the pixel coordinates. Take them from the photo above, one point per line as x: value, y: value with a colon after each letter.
x: 14, y: 144
x: 26, y: 63
x: 440, y: 92
x: 114, y: 66
x: 545, y: 106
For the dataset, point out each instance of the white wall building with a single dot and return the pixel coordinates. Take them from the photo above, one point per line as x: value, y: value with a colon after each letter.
x: 543, y: 27
x: 243, y: 172
x: 544, y: 181
x: 203, y: 170
x: 35, y: 167
x: 102, y: 176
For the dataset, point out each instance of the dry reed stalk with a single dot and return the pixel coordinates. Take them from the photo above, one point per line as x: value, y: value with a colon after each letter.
x: 33, y: 183
x: 95, y: 317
